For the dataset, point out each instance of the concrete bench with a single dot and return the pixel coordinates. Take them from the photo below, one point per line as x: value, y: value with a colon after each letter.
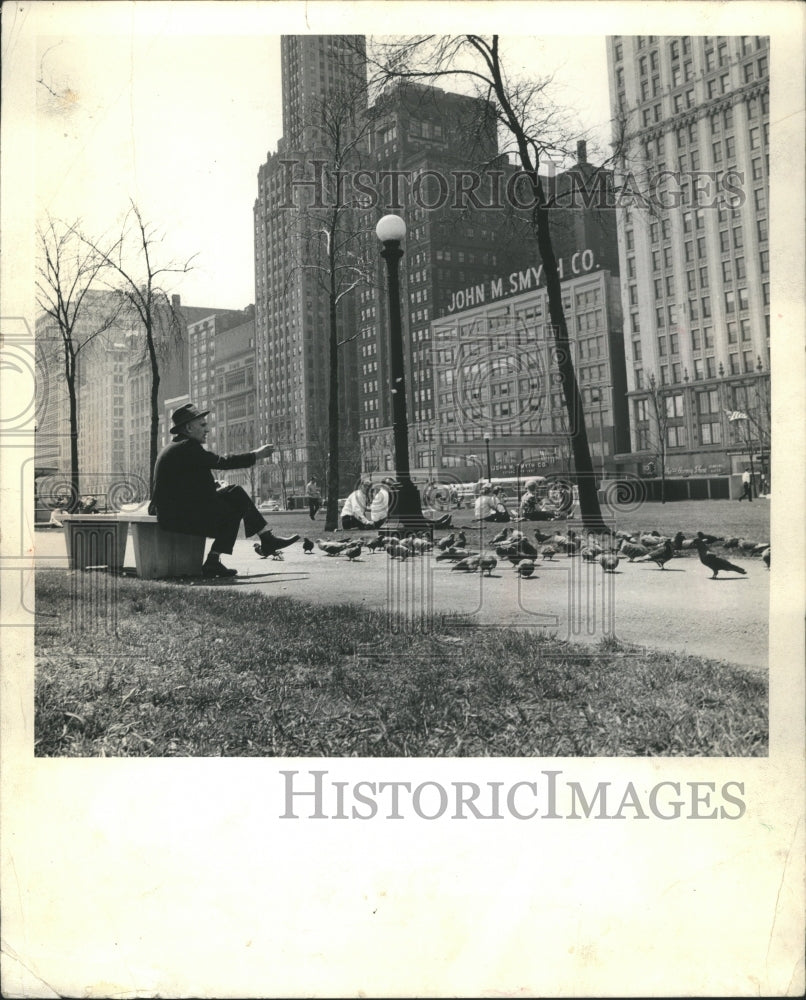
x: 159, y: 553
x: 95, y: 540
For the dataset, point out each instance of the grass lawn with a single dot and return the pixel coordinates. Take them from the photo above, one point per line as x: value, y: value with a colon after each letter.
x: 209, y: 673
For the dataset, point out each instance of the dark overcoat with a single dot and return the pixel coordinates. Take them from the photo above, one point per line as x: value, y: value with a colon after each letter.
x: 185, y: 497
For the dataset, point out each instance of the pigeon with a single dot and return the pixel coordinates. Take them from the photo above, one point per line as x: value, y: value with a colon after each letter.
x: 487, y: 564
x: 609, y: 561
x: 396, y: 550
x: 590, y: 552
x: 660, y: 555
x: 461, y: 540
x: 446, y: 542
x: 421, y: 545
x: 765, y: 555
x: 307, y: 546
x: 525, y: 549
x: 274, y: 554
x: 625, y: 536
x: 727, y: 543
x: 760, y: 549
x: 746, y: 545
x: 500, y: 536
x: 525, y: 568
x: 376, y: 543
x: 453, y: 554
x: 681, y: 542
x: 469, y: 565
x: 548, y: 552
x: 353, y: 551
x: 632, y: 551
x: 715, y: 563
x: 710, y: 539
x: 331, y: 548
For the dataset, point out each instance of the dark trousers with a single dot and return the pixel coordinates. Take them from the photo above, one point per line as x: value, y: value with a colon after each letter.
x: 231, y: 505
x: 313, y: 506
x: 747, y: 492
x: 348, y: 522
x: 499, y: 515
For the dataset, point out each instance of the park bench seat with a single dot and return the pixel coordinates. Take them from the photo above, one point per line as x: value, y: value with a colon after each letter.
x: 100, y: 540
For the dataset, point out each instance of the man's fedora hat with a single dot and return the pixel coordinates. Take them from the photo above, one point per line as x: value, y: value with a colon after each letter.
x: 183, y: 415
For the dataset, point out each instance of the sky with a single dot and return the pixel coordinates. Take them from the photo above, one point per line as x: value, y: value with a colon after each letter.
x: 179, y: 116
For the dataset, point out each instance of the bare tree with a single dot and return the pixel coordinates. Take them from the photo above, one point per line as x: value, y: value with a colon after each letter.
x: 67, y: 269
x: 133, y: 260
x: 538, y: 129
x: 658, y: 401
x: 333, y: 241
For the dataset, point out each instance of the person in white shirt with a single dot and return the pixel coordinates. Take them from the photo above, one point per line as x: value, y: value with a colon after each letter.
x: 488, y: 507
x: 379, y: 511
x: 356, y: 512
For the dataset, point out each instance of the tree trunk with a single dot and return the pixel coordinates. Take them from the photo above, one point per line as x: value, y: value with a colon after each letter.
x: 583, y: 464
x: 332, y: 511
x: 155, y: 409
x: 75, y: 478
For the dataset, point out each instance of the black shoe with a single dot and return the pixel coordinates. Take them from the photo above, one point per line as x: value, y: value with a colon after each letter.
x: 270, y: 543
x: 216, y: 568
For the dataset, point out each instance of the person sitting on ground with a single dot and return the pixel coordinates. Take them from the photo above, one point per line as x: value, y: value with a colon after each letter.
x: 186, y: 499
x: 531, y: 508
x: 382, y: 501
x: 498, y: 498
x: 488, y: 508
x: 356, y: 511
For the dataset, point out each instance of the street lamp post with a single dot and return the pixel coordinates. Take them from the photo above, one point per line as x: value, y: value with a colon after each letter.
x: 596, y: 397
x: 489, y: 463
x: 405, y: 506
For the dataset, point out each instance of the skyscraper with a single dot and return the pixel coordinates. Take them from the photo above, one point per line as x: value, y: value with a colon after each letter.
x: 292, y: 316
x: 428, y: 146
x: 695, y: 265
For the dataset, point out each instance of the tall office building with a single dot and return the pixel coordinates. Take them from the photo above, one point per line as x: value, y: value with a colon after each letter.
x: 695, y: 269
x: 173, y: 337
x: 104, y: 335
x: 428, y: 145
x: 292, y: 318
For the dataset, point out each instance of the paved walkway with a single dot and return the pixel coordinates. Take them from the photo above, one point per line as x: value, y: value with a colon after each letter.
x: 678, y: 608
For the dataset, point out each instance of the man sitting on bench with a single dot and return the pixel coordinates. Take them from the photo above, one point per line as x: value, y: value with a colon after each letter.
x: 187, y: 500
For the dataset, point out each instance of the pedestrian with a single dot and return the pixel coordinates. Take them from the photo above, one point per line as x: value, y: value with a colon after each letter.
x: 314, y: 497
x: 356, y: 510
x: 747, y: 486
x: 487, y: 508
x: 187, y: 500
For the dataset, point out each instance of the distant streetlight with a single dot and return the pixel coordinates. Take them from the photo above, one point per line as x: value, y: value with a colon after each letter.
x: 408, y: 512
x: 489, y: 463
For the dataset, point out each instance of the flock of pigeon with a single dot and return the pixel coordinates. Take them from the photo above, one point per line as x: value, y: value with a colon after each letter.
x: 513, y: 546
